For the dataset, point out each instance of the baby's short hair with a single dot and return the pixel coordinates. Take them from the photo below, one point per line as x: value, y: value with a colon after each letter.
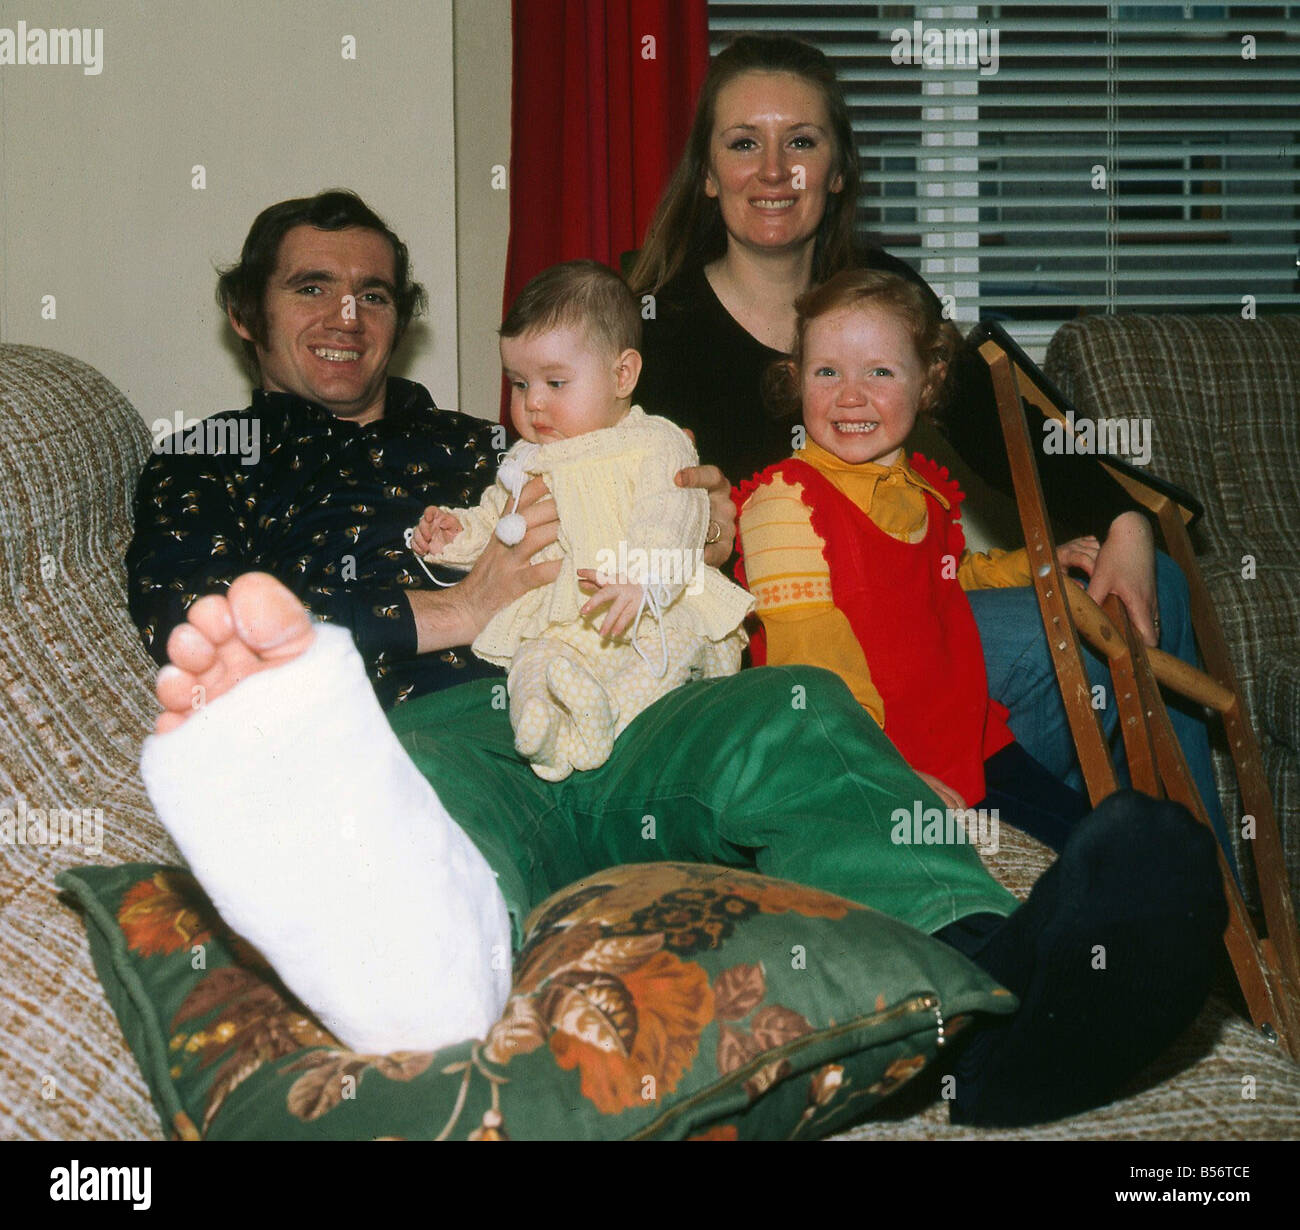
x: 582, y: 294
x: 937, y: 340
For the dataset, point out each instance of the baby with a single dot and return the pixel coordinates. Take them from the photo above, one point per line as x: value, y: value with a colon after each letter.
x: 628, y: 534
x: 857, y: 559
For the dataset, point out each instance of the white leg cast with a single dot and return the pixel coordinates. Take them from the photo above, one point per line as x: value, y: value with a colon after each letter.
x: 320, y: 842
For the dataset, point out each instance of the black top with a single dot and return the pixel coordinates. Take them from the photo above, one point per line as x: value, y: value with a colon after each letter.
x: 1081, y: 497
x: 324, y: 508
x: 703, y: 370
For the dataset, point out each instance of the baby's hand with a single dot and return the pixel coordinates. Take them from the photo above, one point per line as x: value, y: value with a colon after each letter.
x: 434, y: 533
x: 622, y: 597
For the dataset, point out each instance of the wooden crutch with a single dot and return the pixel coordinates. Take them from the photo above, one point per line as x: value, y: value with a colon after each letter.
x: 1267, y: 969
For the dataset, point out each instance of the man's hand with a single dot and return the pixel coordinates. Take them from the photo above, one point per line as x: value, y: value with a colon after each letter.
x: 1126, y: 567
x: 450, y: 617
x: 434, y: 533
x: 721, y: 538
x: 622, y: 597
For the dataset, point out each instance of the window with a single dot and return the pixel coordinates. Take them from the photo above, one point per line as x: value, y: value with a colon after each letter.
x: 1039, y: 161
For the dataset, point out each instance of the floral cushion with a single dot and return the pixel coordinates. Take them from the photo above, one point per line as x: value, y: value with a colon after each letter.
x: 659, y: 1000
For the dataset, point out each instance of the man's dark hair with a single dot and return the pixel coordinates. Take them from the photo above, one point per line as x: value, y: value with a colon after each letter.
x: 241, y: 288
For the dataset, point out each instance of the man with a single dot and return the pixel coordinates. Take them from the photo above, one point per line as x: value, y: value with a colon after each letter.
x: 348, y: 458
x: 385, y: 868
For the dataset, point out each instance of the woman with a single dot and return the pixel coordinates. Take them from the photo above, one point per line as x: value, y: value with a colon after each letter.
x: 760, y: 208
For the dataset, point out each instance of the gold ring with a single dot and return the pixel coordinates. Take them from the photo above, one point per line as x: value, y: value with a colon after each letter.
x: 715, y: 532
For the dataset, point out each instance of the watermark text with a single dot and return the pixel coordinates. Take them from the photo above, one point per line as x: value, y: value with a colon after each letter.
x: 654, y: 566
x: 81, y: 47
x: 940, y: 47
x: 211, y: 437
x: 1127, y: 438
x: 52, y: 826
x: 931, y: 826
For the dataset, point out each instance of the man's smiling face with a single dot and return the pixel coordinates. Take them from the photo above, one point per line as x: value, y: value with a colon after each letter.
x: 331, y: 320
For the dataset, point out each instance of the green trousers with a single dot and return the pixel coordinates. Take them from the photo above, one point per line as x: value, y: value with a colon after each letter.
x: 776, y: 769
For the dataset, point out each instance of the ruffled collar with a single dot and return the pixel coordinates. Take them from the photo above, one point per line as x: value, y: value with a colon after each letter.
x: 860, y: 481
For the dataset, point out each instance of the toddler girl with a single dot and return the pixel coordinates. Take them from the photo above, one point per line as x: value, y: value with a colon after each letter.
x: 857, y: 559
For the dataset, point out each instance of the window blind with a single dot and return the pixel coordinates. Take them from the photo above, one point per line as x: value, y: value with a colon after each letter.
x: 1040, y: 161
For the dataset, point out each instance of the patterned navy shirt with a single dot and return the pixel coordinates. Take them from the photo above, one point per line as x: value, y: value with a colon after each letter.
x: 324, y: 509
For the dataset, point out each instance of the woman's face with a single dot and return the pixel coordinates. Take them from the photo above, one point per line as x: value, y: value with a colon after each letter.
x: 771, y: 159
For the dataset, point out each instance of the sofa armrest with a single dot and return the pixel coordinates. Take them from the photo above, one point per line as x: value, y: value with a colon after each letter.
x: 1279, y: 699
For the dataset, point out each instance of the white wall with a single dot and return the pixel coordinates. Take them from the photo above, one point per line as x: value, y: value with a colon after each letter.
x: 96, y: 206
x: 483, y: 75
x: 96, y: 203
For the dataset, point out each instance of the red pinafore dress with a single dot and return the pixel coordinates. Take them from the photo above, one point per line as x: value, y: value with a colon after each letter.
x: 914, y: 623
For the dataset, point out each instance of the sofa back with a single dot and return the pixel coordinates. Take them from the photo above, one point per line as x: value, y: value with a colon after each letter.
x: 75, y: 703
x: 1223, y: 397
x: 75, y: 680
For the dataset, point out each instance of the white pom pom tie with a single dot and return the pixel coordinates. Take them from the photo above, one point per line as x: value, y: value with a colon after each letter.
x: 512, y: 474
x: 511, y: 529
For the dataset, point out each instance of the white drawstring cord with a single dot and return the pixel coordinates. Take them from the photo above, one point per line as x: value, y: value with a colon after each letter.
x: 655, y: 597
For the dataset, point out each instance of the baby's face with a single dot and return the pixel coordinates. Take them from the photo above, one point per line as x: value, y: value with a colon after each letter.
x: 559, y: 387
x: 861, y: 383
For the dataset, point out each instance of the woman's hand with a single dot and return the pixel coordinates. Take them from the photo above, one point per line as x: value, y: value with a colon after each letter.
x: 721, y: 539
x: 949, y: 796
x: 1080, y: 553
x: 1126, y: 567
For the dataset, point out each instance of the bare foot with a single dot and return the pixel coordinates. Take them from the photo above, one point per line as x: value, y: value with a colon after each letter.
x: 258, y: 624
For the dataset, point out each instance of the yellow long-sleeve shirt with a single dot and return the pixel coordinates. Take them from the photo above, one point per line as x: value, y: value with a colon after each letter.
x: 790, y: 579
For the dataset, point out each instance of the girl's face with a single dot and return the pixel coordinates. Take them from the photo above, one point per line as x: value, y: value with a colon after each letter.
x: 861, y: 383
x: 771, y: 159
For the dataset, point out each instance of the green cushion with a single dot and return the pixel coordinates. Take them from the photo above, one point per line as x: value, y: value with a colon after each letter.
x: 659, y: 1000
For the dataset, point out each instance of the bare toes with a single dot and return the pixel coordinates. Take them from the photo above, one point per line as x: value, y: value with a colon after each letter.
x: 211, y: 616
x: 190, y: 650
x: 168, y: 721
x: 175, y: 688
x: 234, y: 663
x: 225, y: 639
x: 269, y: 619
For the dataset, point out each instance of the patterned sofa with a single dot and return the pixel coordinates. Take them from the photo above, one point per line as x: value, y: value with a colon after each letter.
x: 1223, y: 396
x: 77, y: 701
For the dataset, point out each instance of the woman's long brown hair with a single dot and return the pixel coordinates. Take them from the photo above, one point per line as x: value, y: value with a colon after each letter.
x: 687, y: 227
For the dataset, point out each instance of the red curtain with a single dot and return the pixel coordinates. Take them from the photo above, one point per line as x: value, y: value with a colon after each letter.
x: 604, y: 93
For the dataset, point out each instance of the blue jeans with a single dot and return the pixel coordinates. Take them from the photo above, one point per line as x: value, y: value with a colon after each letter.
x: 1021, y: 676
